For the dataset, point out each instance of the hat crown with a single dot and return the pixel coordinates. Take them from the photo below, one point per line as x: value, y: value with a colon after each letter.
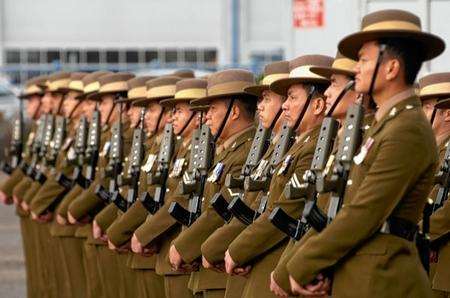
x: 391, y: 18
x: 58, y: 76
x: 231, y: 75
x: 276, y: 68
x: 139, y: 81
x: 184, y: 73
x: 311, y: 60
x: 115, y: 77
x: 94, y: 76
x: 162, y: 81
x: 36, y: 80
x: 436, y: 85
x: 191, y: 84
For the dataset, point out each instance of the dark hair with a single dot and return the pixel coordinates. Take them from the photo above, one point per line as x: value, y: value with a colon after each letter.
x: 408, y: 53
x: 319, y: 89
x: 248, y: 105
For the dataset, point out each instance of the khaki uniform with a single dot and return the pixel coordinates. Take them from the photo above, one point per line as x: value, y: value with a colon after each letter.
x: 161, y: 228
x: 144, y: 281
x: 189, y: 241
x: 261, y: 243
x: 439, y: 226
x: 392, y: 180
x: 79, y: 205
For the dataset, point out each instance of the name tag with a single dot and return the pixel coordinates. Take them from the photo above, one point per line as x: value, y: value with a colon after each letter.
x: 71, y: 154
x: 359, y: 158
x: 285, y: 165
x: 177, y: 168
x: 259, y: 170
x: 147, y: 167
x: 217, y: 172
x: 106, y: 148
x: 67, y: 143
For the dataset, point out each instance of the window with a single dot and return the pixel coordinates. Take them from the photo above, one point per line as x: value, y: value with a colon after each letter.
x: 12, y: 56
x: 190, y: 56
x: 72, y: 56
x: 210, y: 56
x: 34, y: 57
x: 53, y: 56
x: 150, y: 55
x: 112, y: 57
x: 93, y: 57
x: 131, y: 57
x: 171, y: 56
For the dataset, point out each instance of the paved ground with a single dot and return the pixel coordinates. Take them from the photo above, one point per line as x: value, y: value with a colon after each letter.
x: 12, y: 271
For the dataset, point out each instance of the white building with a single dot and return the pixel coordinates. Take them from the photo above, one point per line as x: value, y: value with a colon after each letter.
x: 43, y: 35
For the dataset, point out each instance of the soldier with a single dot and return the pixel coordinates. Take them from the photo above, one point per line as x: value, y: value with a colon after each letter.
x: 269, y: 110
x: 83, y: 209
x: 158, y: 231
x: 304, y: 105
x: 340, y: 74
x: 45, y: 200
x: 138, y: 270
x: 72, y: 246
x: 434, y: 93
x: 230, y: 118
x: 33, y: 95
x: 369, y: 242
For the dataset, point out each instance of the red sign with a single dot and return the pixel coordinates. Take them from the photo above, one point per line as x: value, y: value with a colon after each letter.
x: 307, y: 13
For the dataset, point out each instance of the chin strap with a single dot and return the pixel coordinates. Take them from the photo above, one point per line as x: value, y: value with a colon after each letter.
x: 305, y: 107
x: 344, y: 91
x: 224, y: 121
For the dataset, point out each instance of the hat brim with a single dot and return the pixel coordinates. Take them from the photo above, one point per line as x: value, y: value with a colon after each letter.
x: 281, y: 86
x: 327, y: 72
x: 256, y: 90
x: 437, y: 95
x: 174, y: 101
x: 27, y: 96
x: 143, y: 102
x: 431, y: 44
x: 443, y: 104
x: 208, y: 99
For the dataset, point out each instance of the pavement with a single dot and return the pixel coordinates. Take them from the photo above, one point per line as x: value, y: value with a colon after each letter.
x: 12, y: 268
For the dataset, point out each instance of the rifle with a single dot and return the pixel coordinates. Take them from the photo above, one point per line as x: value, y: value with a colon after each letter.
x: 257, y: 150
x: 296, y: 228
x: 423, y: 237
x: 442, y: 179
x: 77, y: 157
x: 114, y: 166
x: 16, y: 146
x: 134, y: 168
x: 34, y: 172
x: 194, y: 184
x: 336, y: 185
x: 162, y: 172
x: 260, y: 180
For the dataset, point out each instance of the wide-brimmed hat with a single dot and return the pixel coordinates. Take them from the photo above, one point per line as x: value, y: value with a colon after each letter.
x: 157, y: 89
x: 58, y: 82
x: 341, y: 65
x: 115, y: 83
x: 272, y: 72
x: 76, y: 82
x: 392, y: 23
x: 436, y: 86
x: 300, y: 73
x: 184, y: 74
x: 186, y: 90
x: 137, y: 88
x: 91, y: 83
x: 227, y: 83
x: 33, y: 87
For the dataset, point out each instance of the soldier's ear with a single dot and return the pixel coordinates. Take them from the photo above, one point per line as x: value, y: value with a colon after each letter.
x: 235, y: 112
x: 319, y: 106
x: 447, y: 115
x: 392, y: 69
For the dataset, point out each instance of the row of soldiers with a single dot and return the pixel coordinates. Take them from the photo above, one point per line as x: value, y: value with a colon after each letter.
x: 165, y: 187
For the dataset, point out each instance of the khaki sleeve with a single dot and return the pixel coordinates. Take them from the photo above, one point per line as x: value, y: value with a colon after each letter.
x: 123, y: 228
x: 14, y: 179
x: 106, y: 217
x: 67, y: 200
x: 383, y: 187
x: 85, y: 203
x: 46, y: 196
